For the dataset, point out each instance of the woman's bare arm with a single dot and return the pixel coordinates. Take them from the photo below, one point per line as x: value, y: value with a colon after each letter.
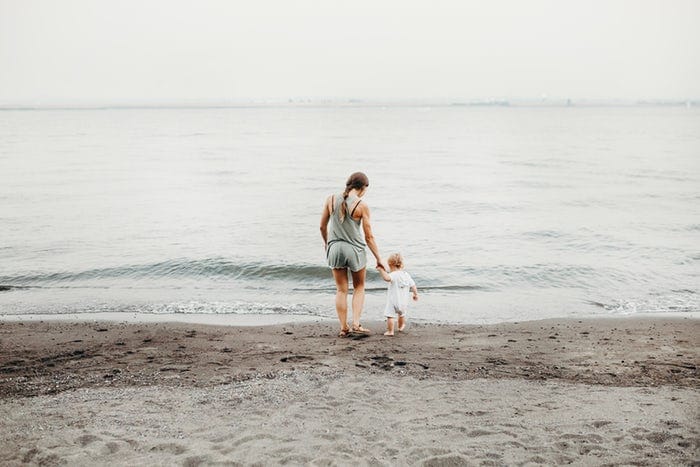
x: 325, y: 217
x: 367, y: 227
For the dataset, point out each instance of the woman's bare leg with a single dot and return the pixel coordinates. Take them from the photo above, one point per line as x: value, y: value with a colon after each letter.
x: 341, y: 296
x: 358, y: 296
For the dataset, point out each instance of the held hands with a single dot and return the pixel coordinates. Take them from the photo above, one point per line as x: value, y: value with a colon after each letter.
x: 383, y: 272
x: 415, y: 297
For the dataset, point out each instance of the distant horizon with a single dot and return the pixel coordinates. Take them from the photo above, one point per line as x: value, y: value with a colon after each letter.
x: 343, y: 101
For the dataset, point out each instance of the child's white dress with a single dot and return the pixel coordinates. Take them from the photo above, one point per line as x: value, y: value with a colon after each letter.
x: 398, y: 293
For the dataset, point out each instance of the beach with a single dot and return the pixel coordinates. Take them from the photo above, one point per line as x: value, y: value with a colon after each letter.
x: 190, y: 191
x: 618, y: 391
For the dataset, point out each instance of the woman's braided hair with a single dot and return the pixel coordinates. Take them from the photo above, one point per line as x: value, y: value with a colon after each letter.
x: 356, y: 181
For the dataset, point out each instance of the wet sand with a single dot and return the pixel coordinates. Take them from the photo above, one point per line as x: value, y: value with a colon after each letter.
x: 592, y: 391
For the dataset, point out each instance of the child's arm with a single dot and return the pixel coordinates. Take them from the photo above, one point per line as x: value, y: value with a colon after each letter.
x: 414, y: 289
x: 385, y: 275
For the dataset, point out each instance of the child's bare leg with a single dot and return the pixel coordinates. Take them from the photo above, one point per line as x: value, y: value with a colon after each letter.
x: 402, y: 323
x: 389, y: 327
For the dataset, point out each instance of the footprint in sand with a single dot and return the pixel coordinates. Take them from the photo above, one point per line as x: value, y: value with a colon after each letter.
x: 382, y: 361
x: 660, y: 437
x: 296, y: 358
x: 171, y: 448
x: 86, y: 439
x: 29, y: 455
x: 196, y: 461
x: 476, y: 413
x: 381, y: 358
x: 591, y: 438
x: 445, y: 461
x: 111, y: 448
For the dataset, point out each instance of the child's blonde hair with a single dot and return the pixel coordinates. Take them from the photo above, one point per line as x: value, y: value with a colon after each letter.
x: 396, y: 260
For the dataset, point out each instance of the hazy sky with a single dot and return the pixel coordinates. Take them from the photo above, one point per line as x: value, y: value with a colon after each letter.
x: 170, y: 50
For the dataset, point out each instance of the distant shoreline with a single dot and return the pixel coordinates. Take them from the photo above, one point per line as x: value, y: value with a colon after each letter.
x: 351, y: 103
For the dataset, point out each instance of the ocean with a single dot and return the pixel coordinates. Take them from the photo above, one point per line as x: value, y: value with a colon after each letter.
x: 501, y: 213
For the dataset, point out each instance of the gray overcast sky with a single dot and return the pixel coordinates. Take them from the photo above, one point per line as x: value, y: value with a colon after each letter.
x: 170, y: 50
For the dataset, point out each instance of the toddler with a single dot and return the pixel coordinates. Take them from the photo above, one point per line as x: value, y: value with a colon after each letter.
x: 401, y: 285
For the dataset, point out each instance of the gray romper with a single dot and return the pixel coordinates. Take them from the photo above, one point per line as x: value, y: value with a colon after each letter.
x: 346, y: 244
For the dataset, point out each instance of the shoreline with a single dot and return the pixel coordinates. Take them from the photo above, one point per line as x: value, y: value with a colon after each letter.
x: 211, y: 319
x: 587, y: 391
x: 272, y: 319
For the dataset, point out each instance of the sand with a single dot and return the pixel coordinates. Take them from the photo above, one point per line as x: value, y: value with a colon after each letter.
x: 587, y: 392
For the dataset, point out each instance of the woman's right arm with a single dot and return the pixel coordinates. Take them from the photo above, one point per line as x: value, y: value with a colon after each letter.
x: 369, y: 237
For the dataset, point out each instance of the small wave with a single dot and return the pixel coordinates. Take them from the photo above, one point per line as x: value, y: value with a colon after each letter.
x: 204, y: 268
x: 454, y: 287
x: 543, y: 234
x: 589, y: 241
x: 516, y: 163
x: 178, y: 307
x: 7, y: 288
x: 223, y: 308
x: 657, y: 176
x: 589, y: 202
x: 383, y: 289
x: 661, y: 303
x: 548, y: 275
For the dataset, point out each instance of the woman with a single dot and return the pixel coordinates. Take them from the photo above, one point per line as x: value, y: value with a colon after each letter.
x: 346, y: 249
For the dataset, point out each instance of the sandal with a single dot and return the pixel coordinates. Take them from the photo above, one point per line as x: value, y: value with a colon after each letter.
x: 344, y: 332
x: 360, y: 330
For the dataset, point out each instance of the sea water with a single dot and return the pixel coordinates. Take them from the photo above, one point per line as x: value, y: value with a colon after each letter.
x: 501, y: 214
